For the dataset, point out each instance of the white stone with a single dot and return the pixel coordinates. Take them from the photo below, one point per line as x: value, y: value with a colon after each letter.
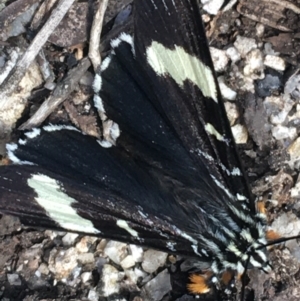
x: 219, y: 58
x: 254, y: 65
x: 86, y: 277
x: 140, y: 273
x: 206, y: 18
x: 51, y: 234
x: 85, y: 243
x: 212, y: 6
x: 233, y: 54
x: 86, y: 258
x: 240, y: 134
x: 43, y: 268
x: 111, y: 278
x: 295, y: 191
x: 260, y: 29
x: 69, y: 239
x: 282, y: 132
x: 127, y: 262
x: 153, y: 260
x: 14, y: 279
x: 137, y: 252
x: 116, y: 251
x: 251, y: 153
x: 226, y: 92
x: 294, y: 152
x: 158, y: 286
x: 244, y: 45
x: 286, y: 225
x: 268, y: 49
x: 93, y: 295
x: 232, y: 112
x: 275, y: 62
x: 292, y: 86
x: 131, y: 276
x: 62, y: 263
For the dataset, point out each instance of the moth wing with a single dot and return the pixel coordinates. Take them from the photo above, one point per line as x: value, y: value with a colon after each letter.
x: 172, y: 65
x: 66, y: 180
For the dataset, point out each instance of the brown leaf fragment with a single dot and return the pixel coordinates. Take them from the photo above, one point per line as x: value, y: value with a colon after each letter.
x: 285, y: 43
x: 87, y: 123
x: 282, y: 15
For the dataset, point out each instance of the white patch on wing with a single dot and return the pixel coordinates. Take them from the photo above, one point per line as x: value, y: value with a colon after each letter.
x: 214, y: 267
x: 97, y: 83
x: 235, y: 171
x: 115, y: 131
x: 171, y: 246
x: 195, y: 249
x: 240, y: 268
x: 154, y: 4
x: 210, y: 129
x: 98, y: 103
x: 219, y: 184
x: 22, y: 141
x: 189, y: 238
x: 233, y: 248
x: 254, y: 262
x: 242, y: 216
x: 143, y: 215
x: 33, y: 133
x: 247, y: 235
x: 105, y: 63
x: 104, y: 143
x: 58, y: 204
x: 240, y: 197
x: 165, y: 5
x: 182, y: 66
x: 124, y: 225
x: 203, y: 251
x: 11, y: 148
x: 123, y: 37
x: 186, y: 236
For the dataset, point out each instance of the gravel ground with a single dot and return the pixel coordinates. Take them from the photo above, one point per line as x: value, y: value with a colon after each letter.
x: 256, y: 56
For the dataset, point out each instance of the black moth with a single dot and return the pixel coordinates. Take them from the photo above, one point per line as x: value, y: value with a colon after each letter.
x: 166, y: 173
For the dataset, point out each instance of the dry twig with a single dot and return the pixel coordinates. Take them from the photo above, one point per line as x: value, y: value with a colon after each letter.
x: 94, y: 53
x: 12, y: 81
x: 61, y: 92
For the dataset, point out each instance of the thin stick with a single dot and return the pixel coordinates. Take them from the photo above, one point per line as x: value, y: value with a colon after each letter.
x: 94, y: 53
x: 12, y: 81
x: 61, y: 92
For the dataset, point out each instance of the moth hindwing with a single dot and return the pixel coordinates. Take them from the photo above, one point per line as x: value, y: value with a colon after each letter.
x: 173, y: 181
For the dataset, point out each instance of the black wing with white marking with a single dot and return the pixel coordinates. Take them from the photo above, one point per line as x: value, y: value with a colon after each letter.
x: 174, y: 180
x: 177, y: 58
x: 179, y: 82
x: 103, y: 192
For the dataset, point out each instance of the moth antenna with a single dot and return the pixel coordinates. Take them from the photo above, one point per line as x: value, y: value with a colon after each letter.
x: 243, y: 279
x: 278, y: 241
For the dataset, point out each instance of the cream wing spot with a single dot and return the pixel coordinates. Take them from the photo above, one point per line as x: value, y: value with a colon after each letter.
x: 182, y: 66
x: 124, y: 225
x: 210, y: 129
x: 58, y: 204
